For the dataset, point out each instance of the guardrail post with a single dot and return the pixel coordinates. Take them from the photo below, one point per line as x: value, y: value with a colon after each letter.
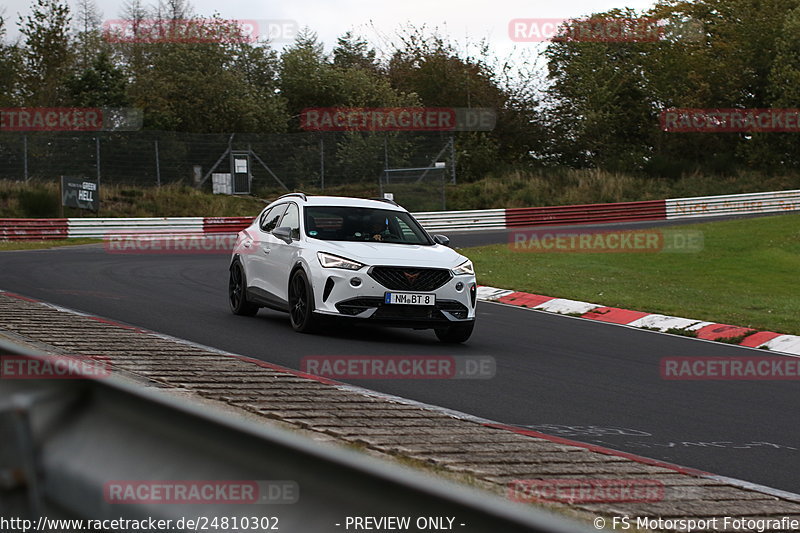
x: 97, y: 150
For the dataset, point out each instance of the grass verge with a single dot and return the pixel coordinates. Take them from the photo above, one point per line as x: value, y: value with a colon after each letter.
x: 745, y: 275
x: 6, y: 246
x: 40, y: 200
x: 501, y: 189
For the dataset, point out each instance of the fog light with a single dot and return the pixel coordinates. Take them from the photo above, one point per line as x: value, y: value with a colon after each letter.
x: 355, y: 282
x: 459, y: 286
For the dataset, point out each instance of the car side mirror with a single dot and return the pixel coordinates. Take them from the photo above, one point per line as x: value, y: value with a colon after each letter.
x: 284, y: 233
x: 441, y: 239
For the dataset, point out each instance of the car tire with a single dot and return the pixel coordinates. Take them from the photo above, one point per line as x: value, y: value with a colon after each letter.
x: 455, y: 333
x: 301, y: 303
x: 237, y: 292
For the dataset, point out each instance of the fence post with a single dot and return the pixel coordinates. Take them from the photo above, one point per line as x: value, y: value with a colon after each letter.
x: 453, y: 158
x: 158, y: 166
x: 385, y: 175
x: 97, y: 149
x: 322, y: 161
x: 25, y: 155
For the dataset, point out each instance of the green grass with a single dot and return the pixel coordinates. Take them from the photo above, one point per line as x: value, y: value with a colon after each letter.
x: 6, y: 246
x: 746, y: 275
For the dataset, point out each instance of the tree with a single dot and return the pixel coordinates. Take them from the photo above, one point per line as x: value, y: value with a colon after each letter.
x: 432, y: 68
x: 780, y: 150
x: 306, y: 76
x: 606, y: 97
x: 102, y: 84
x: 602, y: 115
x: 46, y: 53
x: 199, y: 85
x: 89, y: 39
x: 354, y: 52
x: 9, y: 68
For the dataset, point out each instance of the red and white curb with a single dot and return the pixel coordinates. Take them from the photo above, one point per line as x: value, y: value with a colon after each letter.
x: 749, y: 337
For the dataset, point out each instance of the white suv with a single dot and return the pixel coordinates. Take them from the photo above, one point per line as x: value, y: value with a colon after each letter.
x: 355, y: 259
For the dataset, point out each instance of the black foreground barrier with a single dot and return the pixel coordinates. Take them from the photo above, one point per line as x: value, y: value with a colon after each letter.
x: 112, y: 454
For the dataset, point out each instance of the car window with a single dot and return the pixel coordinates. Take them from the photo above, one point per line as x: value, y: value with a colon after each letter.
x: 270, y: 220
x: 405, y: 229
x: 342, y: 223
x: 263, y: 216
x: 292, y: 220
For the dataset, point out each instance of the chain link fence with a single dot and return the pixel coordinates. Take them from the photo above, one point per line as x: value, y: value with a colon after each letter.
x: 414, y: 165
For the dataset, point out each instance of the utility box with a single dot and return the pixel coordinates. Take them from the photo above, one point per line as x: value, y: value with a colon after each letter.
x: 221, y: 183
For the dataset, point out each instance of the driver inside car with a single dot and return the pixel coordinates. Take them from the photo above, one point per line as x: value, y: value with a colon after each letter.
x: 379, y: 228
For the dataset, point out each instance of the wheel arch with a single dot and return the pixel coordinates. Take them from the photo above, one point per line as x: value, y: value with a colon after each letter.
x: 301, y: 266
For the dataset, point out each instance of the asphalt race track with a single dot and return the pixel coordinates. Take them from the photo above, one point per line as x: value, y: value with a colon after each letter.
x: 583, y: 380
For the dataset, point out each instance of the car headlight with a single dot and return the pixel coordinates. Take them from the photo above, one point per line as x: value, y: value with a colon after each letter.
x: 464, y: 268
x: 334, y: 261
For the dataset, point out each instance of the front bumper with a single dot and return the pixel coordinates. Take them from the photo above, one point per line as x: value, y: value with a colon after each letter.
x: 355, y: 295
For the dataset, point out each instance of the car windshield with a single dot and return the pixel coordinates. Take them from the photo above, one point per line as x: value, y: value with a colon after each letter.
x: 362, y: 224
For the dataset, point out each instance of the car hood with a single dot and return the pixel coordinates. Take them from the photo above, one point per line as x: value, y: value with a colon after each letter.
x: 389, y: 254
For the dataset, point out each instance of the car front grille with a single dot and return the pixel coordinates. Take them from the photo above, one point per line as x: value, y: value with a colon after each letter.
x: 410, y: 279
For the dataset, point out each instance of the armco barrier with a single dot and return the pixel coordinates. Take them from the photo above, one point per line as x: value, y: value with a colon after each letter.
x: 586, y: 214
x: 66, y: 441
x: 462, y: 220
x: 733, y: 204
x: 225, y: 224
x: 675, y: 208
x: 33, y: 228
x: 143, y: 227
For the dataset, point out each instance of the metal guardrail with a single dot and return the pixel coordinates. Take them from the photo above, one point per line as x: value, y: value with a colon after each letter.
x: 733, y: 204
x: 462, y: 220
x: 103, y: 227
x: 63, y: 441
x: 703, y: 206
x: 33, y: 228
x: 225, y: 224
x: 586, y: 214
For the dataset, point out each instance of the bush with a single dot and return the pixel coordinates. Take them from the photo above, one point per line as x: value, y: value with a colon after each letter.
x: 38, y: 203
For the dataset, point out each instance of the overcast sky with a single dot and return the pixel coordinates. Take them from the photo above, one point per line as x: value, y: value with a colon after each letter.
x: 463, y: 21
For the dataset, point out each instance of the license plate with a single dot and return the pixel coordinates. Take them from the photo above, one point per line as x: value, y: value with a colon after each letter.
x: 409, y: 298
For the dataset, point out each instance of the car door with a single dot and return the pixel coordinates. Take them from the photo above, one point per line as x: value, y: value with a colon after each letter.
x: 282, y: 254
x: 249, y: 254
x: 260, y: 273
